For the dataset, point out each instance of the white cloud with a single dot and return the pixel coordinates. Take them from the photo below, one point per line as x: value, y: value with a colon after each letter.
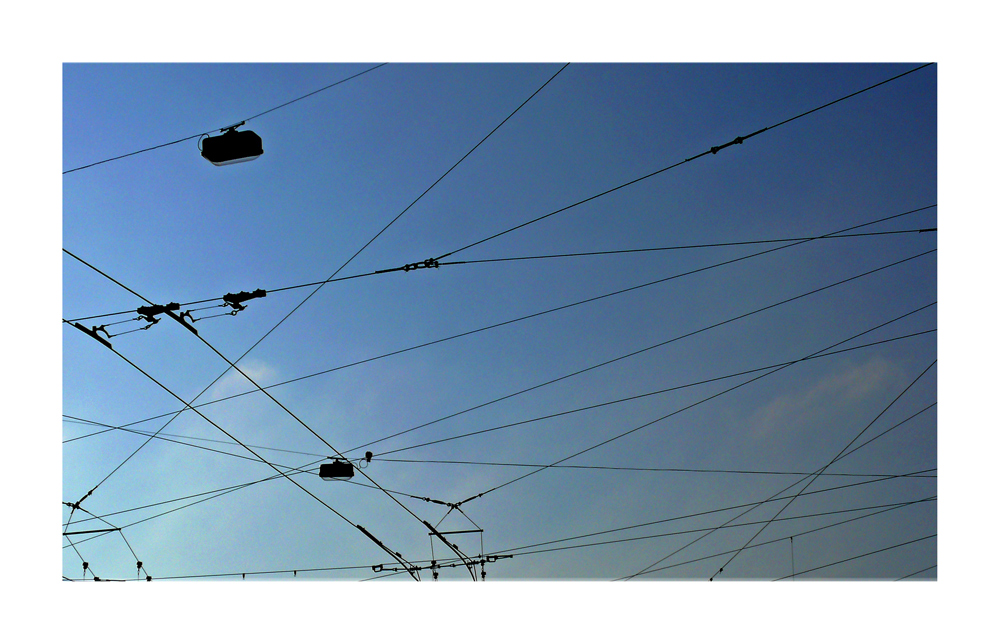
x: 847, y: 386
x: 234, y: 383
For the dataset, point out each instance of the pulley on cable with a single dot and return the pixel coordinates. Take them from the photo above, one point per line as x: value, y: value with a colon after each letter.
x: 232, y: 146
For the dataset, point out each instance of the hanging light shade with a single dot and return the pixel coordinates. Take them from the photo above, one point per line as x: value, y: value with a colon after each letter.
x: 336, y: 471
x: 232, y: 147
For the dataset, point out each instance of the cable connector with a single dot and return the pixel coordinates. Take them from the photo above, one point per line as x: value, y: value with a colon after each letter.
x: 180, y: 319
x: 93, y: 333
x: 430, y: 262
x: 147, y: 312
x: 236, y: 300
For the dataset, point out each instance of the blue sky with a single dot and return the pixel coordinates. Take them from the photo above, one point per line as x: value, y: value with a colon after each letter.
x: 339, y: 165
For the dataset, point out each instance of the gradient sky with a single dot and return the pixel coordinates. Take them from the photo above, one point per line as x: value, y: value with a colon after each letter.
x: 341, y: 164
x: 172, y: 227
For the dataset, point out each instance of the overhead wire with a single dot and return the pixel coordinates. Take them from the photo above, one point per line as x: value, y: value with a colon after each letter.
x: 232, y: 365
x: 536, y: 257
x: 200, y: 134
x: 268, y: 394
x: 867, y: 554
x: 632, y: 398
x: 508, y: 259
x: 835, y: 459
x: 563, y: 413
x: 777, y: 540
x: 214, y: 494
x: 751, y: 505
x: 512, y: 551
x: 195, y: 438
x: 623, y: 468
x: 209, y: 449
x: 917, y: 573
x: 657, y: 420
x: 321, y: 501
x: 683, y: 247
x: 511, y: 321
x: 839, y: 457
x: 713, y: 150
x: 883, y: 507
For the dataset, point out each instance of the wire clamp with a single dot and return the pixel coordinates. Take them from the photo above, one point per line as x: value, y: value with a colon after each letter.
x: 430, y: 262
x: 236, y: 300
x: 377, y: 568
x: 147, y: 312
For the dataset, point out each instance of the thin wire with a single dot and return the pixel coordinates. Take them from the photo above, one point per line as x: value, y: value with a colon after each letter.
x: 704, y: 513
x: 534, y: 257
x: 644, y: 395
x: 216, y: 493
x: 492, y: 326
x: 242, y: 373
x: 883, y: 508
x: 917, y: 573
x: 777, y: 540
x: 289, y: 478
x: 867, y: 554
x: 683, y: 247
x: 835, y: 459
x: 614, y: 438
x: 523, y: 422
x: 194, y: 438
x: 799, y: 493
x: 680, y: 163
x: 232, y: 365
x: 592, y: 299
x: 195, y: 136
x: 678, y: 470
x: 209, y: 449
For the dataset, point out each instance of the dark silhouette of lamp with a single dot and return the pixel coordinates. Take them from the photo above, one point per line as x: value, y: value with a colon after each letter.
x: 338, y: 470
x: 232, y: 146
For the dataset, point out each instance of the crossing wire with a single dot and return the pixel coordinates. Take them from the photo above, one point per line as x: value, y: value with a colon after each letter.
x: 195, y: 136
x: 767, y: 543
x: 563, y: 413
x: 704, y: 400
x: 268, y: 394
x: 214, y: 494
x: 637, y: 397
x: 712, y: 150
x: 751, y: 505
x: 535, y: 257
x: 232, y: 365
x: 839, y: 457
x: 515, y: 320
x: 883, y: 507
x: 867, y: 554
x: 834, y: 460
x: 889, y: 507
x: 259, y: 457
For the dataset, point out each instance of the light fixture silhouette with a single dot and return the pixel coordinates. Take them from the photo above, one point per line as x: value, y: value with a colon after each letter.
x: 232, y: 146
x: 338, y: 470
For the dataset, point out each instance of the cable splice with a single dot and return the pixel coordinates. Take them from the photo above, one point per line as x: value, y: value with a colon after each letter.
x: 236, y: 300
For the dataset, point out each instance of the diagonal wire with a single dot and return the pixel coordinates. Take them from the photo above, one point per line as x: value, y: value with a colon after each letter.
x: 195, y: 136
x: 533, y: 257
x: 643, y: 395
x: 713, y: 150
x: 512, y: 321
x: 832, y: 461
x: 867, y: 554
x: 259, y: 457
x: 614, y: 438
x: 232, y: 365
